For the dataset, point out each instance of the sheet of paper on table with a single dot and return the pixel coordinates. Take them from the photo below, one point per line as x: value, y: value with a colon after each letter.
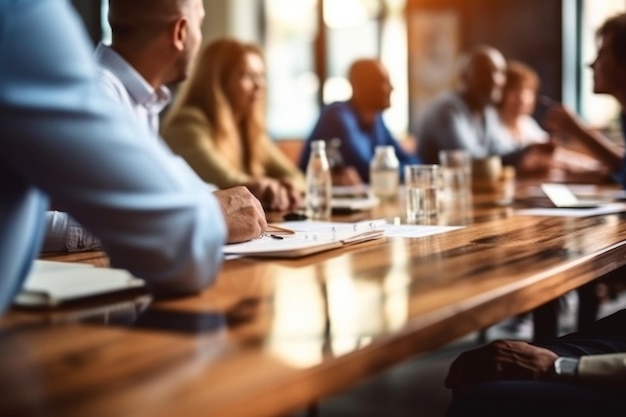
x: 316, y: 236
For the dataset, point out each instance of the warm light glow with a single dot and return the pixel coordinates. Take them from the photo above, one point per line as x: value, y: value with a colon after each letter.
x: 395, y: 5
x: 342, y: 13
x: 396, y: 288
x: 337, y: 89
x: 395, y: 58
x: 290, y: 11
x: 343, y: 306
x: 598, y: 109
x: 296, y: 338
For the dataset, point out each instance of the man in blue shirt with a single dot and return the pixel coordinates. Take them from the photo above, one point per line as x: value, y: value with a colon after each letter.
x: 358, y: 123
x: 63, y: 138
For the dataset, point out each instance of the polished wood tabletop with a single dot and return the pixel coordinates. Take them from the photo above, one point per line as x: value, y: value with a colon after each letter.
x: 272, y: 336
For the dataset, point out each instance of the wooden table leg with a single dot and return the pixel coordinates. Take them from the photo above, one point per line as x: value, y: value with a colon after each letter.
x: 546, y: 321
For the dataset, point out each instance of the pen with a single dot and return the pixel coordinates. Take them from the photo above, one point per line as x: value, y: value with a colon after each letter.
x: 279, y: 230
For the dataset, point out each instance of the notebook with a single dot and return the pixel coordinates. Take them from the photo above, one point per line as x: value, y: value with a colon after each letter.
x: 563, y: 197
x: 308, y: 238
x: 52, y: 284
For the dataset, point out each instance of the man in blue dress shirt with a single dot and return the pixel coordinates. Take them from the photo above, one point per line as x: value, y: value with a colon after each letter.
x: 358, y: 122
x: 63, y: 138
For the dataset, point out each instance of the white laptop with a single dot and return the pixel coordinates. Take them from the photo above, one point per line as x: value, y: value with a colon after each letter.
x: 563, y: 197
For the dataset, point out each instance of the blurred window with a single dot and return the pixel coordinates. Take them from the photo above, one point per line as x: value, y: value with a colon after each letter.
x: 309, y: 46
x: 598, y: 109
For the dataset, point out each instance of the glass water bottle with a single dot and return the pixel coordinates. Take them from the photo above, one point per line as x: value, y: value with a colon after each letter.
x: 318, y: 183
x: 384, y: 173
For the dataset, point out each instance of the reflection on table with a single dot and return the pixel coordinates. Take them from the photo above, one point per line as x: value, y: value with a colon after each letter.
x: 272, y: 336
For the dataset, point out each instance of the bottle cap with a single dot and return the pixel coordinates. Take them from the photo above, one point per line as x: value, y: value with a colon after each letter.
x: 318, y: 144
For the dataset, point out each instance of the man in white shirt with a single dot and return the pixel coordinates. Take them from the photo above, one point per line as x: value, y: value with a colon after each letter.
x: 154, y: 42
x: 64, y: 139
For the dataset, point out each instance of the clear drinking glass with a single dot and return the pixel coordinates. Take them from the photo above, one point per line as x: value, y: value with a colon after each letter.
x: 422, y: 184
x: 456, y: 167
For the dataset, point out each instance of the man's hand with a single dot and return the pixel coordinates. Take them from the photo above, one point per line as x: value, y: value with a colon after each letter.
x: 502, y: 359
x: 275, y: 195
x: 243, y: 213
x: 293, y: 193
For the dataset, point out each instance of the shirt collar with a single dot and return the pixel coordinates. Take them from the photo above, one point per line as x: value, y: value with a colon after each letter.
x: 138, y: 88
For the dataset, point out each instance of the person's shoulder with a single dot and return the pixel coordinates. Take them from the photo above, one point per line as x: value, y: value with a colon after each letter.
x: 451, y: 100
x: 112, y: 85
x: 444, y: 106
x: 337, y: 107
x: 188, y: 115
x: 338, y: 111
x: 185, y: 124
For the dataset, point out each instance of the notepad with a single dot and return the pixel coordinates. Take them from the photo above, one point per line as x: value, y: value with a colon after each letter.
x: 52, y: 284
x: 314, y: 238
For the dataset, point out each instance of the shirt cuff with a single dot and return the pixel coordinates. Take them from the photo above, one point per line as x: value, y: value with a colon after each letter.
x: 78, y: 239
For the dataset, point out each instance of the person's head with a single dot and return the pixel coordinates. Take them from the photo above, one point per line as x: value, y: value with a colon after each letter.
x: 228, y: 86
x: 164, y: 34
x: 229, y: 76
x: 520, y: 89
x: 371, y: 86
x: 609, y: 67
x: 483, y: 75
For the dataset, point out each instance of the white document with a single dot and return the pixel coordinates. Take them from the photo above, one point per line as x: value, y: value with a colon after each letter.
x: 309, y: 238
x: 563, y: 197
x: 317, y: 236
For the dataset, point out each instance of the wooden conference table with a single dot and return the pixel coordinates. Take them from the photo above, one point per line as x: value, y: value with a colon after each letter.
x: 271, y: 337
